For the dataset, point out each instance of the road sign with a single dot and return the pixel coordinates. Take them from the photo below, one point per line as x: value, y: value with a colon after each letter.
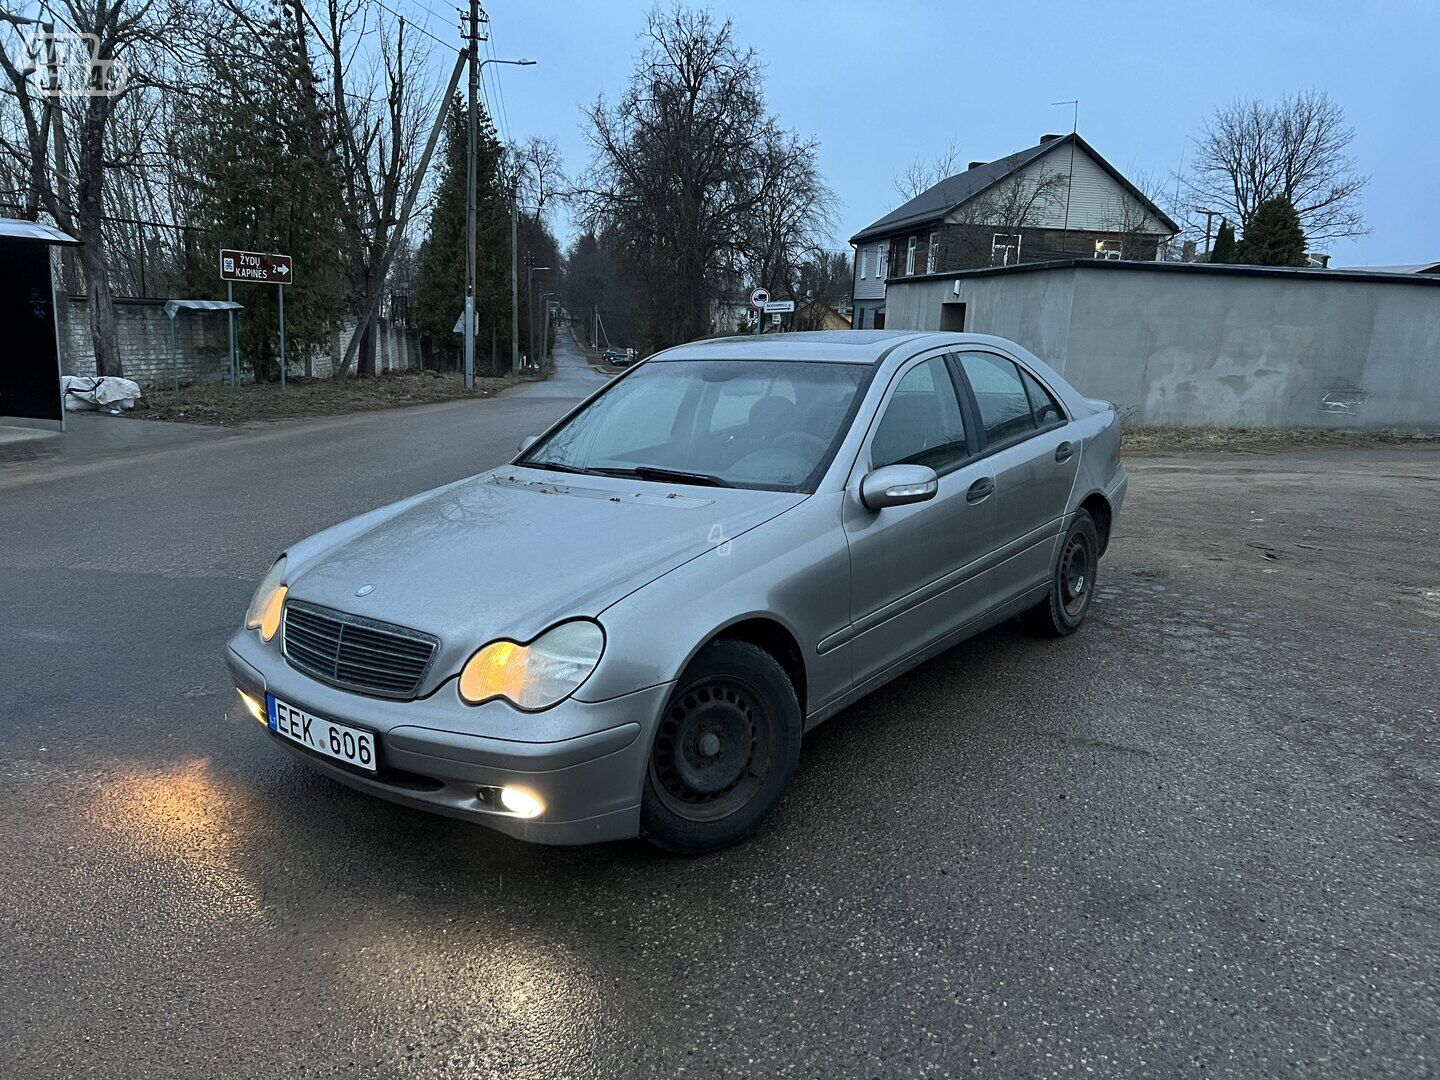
x: 256, y: 267
x: 775, y: 319
x: 759, y: 298
x: 774, y: 307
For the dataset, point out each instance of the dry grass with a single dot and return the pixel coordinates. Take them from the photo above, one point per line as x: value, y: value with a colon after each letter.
x: 310, y: 397
x: 1163, y: 440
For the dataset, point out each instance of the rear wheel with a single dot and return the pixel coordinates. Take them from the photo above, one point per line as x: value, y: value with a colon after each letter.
x: 725, y: 751
x: 1072, y: 583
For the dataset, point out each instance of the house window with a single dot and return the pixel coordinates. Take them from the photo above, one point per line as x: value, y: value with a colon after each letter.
x: 910, y: 256
x: 1109, y: 249
x: 864, y: 263
x: 1004, y: 248
x: 932, y: 256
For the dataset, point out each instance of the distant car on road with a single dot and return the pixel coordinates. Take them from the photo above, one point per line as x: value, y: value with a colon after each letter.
x: 619, y: 357
x: 628, y: 629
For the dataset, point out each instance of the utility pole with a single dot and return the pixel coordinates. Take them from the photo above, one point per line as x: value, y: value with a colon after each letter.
x: 1070, y: 182
x: 514, y: 286
x: 473, y: 102
x: 472, y: 55
x: 387, y: 256
x: 530, y: 310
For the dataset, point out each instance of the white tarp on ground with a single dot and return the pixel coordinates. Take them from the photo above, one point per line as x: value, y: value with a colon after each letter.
x: 86, y: 394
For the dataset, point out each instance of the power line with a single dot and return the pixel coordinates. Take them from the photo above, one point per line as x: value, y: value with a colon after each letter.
x: 499, y: 89
x: 417, y: 26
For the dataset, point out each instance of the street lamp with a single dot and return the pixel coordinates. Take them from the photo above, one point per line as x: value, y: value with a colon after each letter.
x: 515, y: 209
x: 470, y: 195
x: 530, y: 310
x: 547, y: 300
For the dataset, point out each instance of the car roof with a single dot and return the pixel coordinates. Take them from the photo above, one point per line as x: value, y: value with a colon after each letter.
x: 824, y: 346
x: 829, y: 346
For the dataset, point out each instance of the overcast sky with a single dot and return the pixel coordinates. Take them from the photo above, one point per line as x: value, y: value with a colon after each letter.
x: 879, y: 82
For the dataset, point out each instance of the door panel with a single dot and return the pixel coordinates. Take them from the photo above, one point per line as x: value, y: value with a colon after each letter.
x: 1034, y: 468
x: 1032, y: 488
x: 916, y: 570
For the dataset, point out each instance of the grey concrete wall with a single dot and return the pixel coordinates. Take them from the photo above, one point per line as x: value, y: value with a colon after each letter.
x: 203, y: 345
x: 143, y: 334
x: 1195, y: 349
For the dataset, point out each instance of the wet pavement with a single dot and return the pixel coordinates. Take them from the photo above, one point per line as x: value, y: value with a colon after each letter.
x: 1203, y: 835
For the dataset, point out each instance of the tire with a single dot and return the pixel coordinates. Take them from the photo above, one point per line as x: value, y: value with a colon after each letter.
x: 725, y: 751
x: 1072, y: 582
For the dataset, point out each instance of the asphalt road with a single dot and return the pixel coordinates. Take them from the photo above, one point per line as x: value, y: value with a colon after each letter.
x: 1202, y: 836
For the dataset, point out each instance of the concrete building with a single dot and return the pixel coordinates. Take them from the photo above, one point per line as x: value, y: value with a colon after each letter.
x: 1057, y: 199
x: 1403, y: 268
x: 1195, y: 344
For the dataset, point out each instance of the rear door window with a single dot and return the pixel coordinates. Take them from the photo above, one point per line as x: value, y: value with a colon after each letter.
x: 1047, y: 410
x: 1000, y: 395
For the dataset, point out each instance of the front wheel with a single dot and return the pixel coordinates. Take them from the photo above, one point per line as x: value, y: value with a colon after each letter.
x: 725, y: 751
x: 1072, y: 583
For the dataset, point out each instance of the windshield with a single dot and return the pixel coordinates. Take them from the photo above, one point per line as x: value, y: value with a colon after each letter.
x: 726, y: 423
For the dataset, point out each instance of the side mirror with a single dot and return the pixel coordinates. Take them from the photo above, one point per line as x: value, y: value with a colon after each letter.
x: 528, y: 441
x: 898, y: 485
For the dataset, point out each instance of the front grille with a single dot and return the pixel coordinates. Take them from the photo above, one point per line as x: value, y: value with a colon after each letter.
x: 353, y: 653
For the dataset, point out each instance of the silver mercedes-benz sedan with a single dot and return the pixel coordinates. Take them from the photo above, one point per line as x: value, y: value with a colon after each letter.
x: 627, y: 630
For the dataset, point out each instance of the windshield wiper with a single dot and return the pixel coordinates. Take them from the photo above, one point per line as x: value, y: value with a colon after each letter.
x: 679, y: 476
x: 556, y: 466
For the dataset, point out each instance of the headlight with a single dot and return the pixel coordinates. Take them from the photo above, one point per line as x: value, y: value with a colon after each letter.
x: 268, y: 602
x: 538, y: 675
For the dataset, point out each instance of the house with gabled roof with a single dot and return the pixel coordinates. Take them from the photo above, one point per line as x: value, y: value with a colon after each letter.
x: 1059, y: 199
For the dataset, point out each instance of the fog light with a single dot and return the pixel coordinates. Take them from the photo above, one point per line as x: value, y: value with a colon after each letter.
x: 252, y: 703
x: 520, y: 802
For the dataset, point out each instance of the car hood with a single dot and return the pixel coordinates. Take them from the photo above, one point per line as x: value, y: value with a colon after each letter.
x: 510, y: 552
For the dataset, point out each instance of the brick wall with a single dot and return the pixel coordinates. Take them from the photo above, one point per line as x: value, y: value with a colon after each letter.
x: 202, y: 345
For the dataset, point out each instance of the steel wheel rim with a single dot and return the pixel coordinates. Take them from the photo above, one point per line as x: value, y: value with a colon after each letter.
x: 712, y: 752
x: 1076, y: 574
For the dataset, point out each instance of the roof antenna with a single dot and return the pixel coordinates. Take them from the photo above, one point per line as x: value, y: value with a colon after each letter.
x: 1070, y: 183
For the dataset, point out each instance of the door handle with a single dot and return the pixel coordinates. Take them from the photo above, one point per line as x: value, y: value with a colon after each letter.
x: 980, y: 490
x: 1063, y: 451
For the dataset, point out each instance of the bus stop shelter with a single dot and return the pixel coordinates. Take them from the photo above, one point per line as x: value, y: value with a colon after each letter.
x: 30, y: 362
x: 174, y: 308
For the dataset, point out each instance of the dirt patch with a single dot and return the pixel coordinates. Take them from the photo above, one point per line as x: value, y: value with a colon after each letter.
x: 311, y: 397
x: 1162, y: 440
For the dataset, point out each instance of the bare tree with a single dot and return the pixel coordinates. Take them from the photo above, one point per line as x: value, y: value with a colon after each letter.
x: 1132, y: 222
x: 1026, y: 200
x: 923, y: 173
x: 380, y: 109
x: 1298, y: 149
x: 537, y: 174
x: 77, y: 83
x: 686, y: 164
x: 795, y: 210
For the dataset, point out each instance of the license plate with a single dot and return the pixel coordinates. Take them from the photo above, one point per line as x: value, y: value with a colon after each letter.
x: 338, y: 741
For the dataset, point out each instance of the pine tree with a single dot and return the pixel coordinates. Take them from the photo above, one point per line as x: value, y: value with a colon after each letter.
x: 1224, y: 249
x: 1273, y: 236
x: 440, y: 283
x: 263, y: 176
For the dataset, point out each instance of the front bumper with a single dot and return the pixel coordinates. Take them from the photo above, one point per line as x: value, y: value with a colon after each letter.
x: 433, y: 757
